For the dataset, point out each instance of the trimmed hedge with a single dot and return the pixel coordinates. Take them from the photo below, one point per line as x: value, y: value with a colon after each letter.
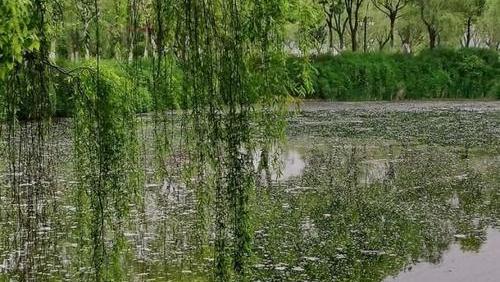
x: 432, y: 74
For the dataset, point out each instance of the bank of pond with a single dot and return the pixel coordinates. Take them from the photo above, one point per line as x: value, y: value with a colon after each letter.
x: 430, y: 74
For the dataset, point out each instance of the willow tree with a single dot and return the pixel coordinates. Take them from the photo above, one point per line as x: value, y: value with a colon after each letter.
x: 437, y: 16
x: 234, y: 84
x: 228, y: 59
x: 16, y: 34
x: 27, y: 108
x: 106, y: 151
x: 471, y: 11
x: 411, y: 30
x: 490, y: 24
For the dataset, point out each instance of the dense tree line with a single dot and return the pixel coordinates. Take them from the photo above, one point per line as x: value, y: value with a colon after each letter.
x: 409, y: 25
x: 128, y: 27
x: 333, y: 26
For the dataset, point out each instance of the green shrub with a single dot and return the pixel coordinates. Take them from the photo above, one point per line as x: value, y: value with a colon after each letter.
x: 131, y: 83
x: 441, y: 73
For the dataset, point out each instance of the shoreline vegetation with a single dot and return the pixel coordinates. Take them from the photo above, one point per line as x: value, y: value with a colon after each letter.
x: 431, y: 74
x: 441, y: 74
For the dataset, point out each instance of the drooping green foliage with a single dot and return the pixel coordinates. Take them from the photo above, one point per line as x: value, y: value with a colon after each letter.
x: 127, y: 78
x: 16, y: 33
x: 106, y: 151
x: 232, y: 58
x: 26, y: 100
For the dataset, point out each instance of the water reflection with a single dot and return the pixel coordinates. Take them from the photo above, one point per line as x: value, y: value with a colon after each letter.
x: 30, y: 197
x: 340, y: 228
x: 292, y: 165
x: 343, y: 209
x: 460, y: 266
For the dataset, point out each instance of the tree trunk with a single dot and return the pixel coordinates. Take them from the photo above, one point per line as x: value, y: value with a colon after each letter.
x: 391, y: 31
x: 131, y: 53
x: 154, y: 47
x: 353, y: 26
x: 365, y: 34
x: 330, y: 35
x: 433, y: 35
x: 74, y: 42
x: 87, y: 40
x: 52, y: 54
x: 354, y: 39
x: 146, y: 43
x: 341, y: 41
x: 131, y: 47
x: 407, y: 49
x: 468, y: 36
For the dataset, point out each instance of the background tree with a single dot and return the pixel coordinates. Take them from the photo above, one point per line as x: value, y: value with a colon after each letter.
x: 353, y: 8
x: 410, y: 30
x: 305, y: 21
x: 392, y: 9
x: 114, y: 20
x: 471, y: 10
x: 490, y: 24
x: 318, y: 36
x: 86, y: 16
x: 436, y: 14
x: 378, y: 30
x: 336, y: 22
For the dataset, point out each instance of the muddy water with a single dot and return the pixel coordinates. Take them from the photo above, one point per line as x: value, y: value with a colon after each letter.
x: 366, y: 192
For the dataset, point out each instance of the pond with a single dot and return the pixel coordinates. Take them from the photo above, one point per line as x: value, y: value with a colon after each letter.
x: 366, y: 192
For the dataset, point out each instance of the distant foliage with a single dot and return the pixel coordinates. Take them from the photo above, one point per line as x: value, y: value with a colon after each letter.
x: 437, y: 74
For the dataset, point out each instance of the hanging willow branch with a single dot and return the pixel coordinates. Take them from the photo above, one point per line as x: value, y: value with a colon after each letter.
x: 222, y: 62
x: 106, y: 151
x: 27, y: 109
x: 234, y: 80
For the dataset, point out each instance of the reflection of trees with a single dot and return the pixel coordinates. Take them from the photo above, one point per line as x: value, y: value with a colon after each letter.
x: 30, y: 228
x: 330, y: 222
x: 366, y: 232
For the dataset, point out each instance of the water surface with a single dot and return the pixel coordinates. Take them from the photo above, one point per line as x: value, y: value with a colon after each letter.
x: 367, y: 192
